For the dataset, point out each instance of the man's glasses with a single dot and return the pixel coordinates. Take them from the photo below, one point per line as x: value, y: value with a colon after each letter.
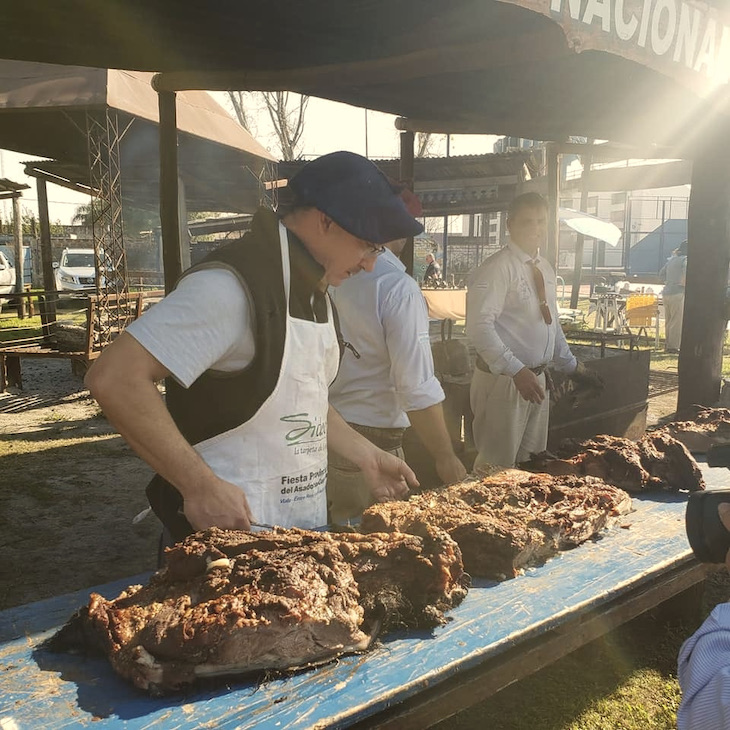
x: 373, y: 250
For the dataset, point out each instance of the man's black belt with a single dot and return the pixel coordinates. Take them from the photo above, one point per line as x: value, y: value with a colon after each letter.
x: 481, y: 365
x: 388, y: 439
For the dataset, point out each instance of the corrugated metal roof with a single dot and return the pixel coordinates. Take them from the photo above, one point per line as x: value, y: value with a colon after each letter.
x: 459, y: 184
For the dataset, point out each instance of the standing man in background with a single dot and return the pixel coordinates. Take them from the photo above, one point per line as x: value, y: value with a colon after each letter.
x: 386, y: 378
x: 675, y: 273
x: 512, y: 321
x: 432, y: 275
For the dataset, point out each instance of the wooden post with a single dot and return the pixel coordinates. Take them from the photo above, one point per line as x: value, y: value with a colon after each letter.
x: 580, y: 240
x: 708, y: 259
x: 553, y: 191
x: 406, y: 177
x: 445, y: 254
x: 169, y: 200
x: 19, y: 262
x: 48, y: 311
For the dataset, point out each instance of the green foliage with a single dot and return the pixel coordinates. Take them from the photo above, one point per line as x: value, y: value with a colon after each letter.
x: 134, y: 220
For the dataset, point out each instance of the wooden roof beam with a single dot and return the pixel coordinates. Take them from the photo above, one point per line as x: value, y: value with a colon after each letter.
x: 606, y: 152
x: 41, y: 174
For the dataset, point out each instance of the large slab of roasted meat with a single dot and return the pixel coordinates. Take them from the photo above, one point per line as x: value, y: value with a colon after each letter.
x: 655, y: 462
x: 700, y: 428
x: 231, y: 602
x: 508, y: 521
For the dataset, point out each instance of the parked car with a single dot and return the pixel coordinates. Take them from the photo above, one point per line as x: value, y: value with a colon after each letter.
x: 75, y: 271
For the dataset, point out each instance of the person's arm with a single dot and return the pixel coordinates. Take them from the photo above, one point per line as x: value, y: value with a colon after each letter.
x: 387, y: 476
x: 430, y: 426
x: 485, y: 299
x: 563, y: 359
x: 484, y: 303
x: 404, y: 317
x: 704, y: 666
x: 123, y: 381
x: 704, y: 674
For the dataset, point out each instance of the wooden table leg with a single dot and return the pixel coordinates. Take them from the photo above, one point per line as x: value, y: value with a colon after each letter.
x: 13, y: 374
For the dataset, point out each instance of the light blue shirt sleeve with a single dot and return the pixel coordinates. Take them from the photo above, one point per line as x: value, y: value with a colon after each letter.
x: 704, y: 675
x: 405, y: 325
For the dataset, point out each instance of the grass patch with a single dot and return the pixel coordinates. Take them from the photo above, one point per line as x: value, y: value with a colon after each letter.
x: 623, y: 681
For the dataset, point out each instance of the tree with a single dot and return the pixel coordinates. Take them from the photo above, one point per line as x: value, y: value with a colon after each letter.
x: 286, y: 112
x: 424, y: 142
x: 134, y: 220
x: 241, y: 102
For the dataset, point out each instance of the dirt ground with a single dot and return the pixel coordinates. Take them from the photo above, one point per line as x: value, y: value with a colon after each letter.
x: 70, y: 488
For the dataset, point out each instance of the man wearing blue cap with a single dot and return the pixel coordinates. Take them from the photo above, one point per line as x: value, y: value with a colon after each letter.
x: 248, y: 339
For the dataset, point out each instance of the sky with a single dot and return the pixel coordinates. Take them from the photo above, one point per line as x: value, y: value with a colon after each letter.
x: 329, y: 126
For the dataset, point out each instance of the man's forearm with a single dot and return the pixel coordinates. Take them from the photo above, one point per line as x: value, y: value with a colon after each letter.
x: 146, y: 425
x: 430, y: 426
x: 346, y: 442
x: 125, y: 389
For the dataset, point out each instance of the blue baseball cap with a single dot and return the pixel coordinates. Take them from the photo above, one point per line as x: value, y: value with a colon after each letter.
x: 357, y: 196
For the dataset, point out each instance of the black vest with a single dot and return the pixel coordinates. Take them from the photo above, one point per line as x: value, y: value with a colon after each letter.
x: 219, y: 401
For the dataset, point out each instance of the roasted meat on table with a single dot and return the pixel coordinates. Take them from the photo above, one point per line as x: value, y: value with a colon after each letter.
x: 655, y: 462
x: 231, y: 602
x: 699, y: 428
x: 508, y: 521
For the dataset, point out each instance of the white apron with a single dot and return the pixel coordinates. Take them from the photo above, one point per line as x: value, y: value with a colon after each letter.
x: 279, y: 456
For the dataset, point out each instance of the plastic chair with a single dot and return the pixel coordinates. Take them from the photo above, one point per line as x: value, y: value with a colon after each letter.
x: 642, y: 311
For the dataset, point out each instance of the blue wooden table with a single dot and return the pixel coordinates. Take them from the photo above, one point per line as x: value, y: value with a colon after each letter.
x: 500, y: 633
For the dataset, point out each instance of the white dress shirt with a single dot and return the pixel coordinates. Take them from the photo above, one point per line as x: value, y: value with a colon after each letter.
x: 383, y: 315
x: 704, y: 674
x: 503, y: 318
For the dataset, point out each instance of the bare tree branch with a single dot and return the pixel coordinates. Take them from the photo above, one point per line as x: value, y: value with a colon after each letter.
x: 286, y: 115
x: 288, y: 122
x: 238, y: 100
x: 424, y: 143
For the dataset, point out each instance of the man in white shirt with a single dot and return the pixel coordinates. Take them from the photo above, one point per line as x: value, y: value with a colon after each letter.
x: 386, y: 380
x: 674, y: 273
x: 512, y: 321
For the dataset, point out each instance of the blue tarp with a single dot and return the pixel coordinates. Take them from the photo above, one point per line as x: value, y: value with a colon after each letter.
x: 651, y: 252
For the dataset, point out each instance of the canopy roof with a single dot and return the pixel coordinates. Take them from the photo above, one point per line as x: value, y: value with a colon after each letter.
x: 626, y: 70
x: 43, y: 112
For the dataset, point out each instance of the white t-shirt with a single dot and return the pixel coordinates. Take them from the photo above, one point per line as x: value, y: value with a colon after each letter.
x: 206, y: 323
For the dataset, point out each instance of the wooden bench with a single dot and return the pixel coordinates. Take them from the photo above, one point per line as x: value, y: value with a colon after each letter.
x: 12, y: 352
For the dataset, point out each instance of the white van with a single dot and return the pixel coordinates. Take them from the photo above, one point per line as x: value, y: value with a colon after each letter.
x: 75, y: 271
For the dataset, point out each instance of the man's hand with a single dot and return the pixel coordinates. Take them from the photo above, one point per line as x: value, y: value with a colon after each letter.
x: 388, y: 477
x: 450, y: 469
x: 587, y: 379
x: 529, y: 386
x: 219, y: 504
